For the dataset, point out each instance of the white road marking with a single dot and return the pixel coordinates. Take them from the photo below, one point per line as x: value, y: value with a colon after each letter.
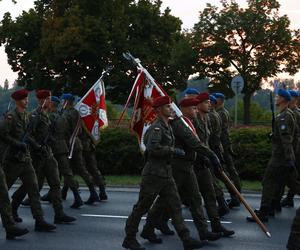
x: 125, y: 217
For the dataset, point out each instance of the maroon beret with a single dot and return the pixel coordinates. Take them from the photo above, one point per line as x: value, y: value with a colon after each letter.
x: 43, y: 93
x: 19, y: 94
x: 160, y: 101
x: 203, y: 97
x: 187, y: 102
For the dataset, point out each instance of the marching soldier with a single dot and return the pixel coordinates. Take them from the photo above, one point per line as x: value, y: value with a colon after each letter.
x: 17, y: 164
x: 157, y: 179
x: 43, y: 160
x: 281, y: 169
x: 74, y: 129
x: 226, y: 144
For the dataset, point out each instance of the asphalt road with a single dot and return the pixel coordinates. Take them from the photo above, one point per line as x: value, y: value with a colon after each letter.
x: 101, y: 227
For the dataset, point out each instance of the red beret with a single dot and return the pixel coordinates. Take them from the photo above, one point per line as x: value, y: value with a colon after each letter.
x: 187, y: 102
x: 160, y: 101
x: 203, y: 97
x: 19, y: 94
x: 43, y: 93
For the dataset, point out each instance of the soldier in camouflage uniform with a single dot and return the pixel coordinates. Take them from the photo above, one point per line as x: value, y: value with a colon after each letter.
x: 43, y: 160
x: 228, y: 153
x: 288, y: 201
x: 281, y: 169
x: 90, y: 160
x: 157, y: 179
x: 294, y: 238
x: 77, y: 163
x: 17, y: 163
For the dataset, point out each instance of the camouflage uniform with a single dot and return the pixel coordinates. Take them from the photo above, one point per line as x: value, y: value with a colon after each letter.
x: 157, y: 180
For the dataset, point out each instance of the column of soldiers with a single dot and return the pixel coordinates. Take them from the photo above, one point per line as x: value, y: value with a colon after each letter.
x: 34, y: 147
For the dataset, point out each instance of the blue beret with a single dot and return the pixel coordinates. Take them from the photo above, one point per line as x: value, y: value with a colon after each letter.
x: 285, y: 94
x: 68, y: 97
x: 294, y: 93
x: 191, y: 91
x: 213, y: 99
x: 55, y: 99
x: 219, y: 95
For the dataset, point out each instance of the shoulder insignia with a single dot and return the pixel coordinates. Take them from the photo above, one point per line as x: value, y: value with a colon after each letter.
x: 156, y: 128
x: 283, y: 127
x: 9, y: 116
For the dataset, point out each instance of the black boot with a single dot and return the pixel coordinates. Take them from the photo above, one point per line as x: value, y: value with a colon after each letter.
x: 14, y: 209
x: 262, y: 214
x: 77, y: 199
x: 102, y: 194
x: 211, y: 236
x: 164, y: 228
x: 93, y: 196
x: 190, y: 243
x: 288, y: 201
x: 223, y: 208
x: 62, y: 218
x: 46, y: 197
x: 26, y: 202
x: 132, y: 244
x: 43, y: 226
x: 225, y: 232
x: 64, y: 192
x: 14, y: 231
x: 294, y: 241
x: 149, y: 234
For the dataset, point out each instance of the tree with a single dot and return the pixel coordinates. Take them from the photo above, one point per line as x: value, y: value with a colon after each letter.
x: 254, y: 42
x: 64, y: 44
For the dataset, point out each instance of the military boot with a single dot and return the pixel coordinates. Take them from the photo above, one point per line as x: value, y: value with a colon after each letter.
x: 14, y: 231
x: 163, y: 226
x: 93, y: 196
x: 288, y: 201
x: 26, y: 202
x: 77, y: 199
x: 262, y: 214
x: 102, y: 194
x: 190, y: 244
x: 294, y: 241
x: 43, y: 226
x: 211, y: 236
x: 64, y: 192
x: 63, y: 218
x: 46, y: 197
x: 223, y: 208
x: 233, y: 202
x: 149, y: 234
x: 130, y: 242
x: 224, y: 231
x: 14, y: 210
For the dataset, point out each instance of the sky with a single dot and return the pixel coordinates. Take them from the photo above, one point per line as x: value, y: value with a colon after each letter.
x: 186, y: 10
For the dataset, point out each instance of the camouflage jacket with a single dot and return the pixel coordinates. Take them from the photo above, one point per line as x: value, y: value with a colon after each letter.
x: 225, y: 123
x: 87, y: 142
x: 159, y: 141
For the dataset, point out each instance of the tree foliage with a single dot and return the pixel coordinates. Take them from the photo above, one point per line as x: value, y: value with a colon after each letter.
x: 255, y: 42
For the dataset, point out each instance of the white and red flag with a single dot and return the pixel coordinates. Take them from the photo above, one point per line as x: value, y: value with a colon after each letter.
x: 92, y: 110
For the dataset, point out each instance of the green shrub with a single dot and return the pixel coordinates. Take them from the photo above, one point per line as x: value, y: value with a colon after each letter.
x: 118, y: 152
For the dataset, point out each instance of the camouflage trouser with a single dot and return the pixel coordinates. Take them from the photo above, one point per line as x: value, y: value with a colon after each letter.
x: 231, y: 170
x: 276, y: 176
x: 206, y: 187
x: 294, y: 238
x: 44, y: 168
x: 13, y: 170
x: 188, y: 189
x: 66, y: 171
x: 78, y: 166
x: 151, y: 187
x: 91, y: 166
x: 5, y: 208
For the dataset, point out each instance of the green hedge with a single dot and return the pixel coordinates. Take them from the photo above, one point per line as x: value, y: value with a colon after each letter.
x: 118, y: 152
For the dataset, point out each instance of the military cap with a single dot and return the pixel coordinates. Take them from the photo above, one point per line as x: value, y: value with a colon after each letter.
x: 219, y: 95
x: 203, y: 97
x: 55, y: 99
x: 187, y: 102
x: 43, y: 93
x: 213, y: 99
x: 285, y: 94
x: 68, y: 97
x: 294, y: 93
x: 191, y: 91
x: 160, y: 101
x: 19, y: 94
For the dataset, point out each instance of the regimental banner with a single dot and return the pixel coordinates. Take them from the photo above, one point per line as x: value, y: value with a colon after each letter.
x: 92, y: 110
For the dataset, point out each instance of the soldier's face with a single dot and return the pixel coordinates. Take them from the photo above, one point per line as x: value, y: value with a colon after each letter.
x: 190, y: 112
x: 279, y: 100
x: 166, y: 110
x: 204, y: 106
x: 22, y: 103
x: 53, y: 106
